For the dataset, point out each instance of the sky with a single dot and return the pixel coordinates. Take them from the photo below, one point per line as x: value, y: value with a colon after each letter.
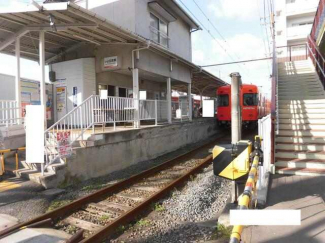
x: 237, y: 33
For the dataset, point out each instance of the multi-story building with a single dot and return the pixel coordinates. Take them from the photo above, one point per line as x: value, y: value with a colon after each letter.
x: 293, y: 22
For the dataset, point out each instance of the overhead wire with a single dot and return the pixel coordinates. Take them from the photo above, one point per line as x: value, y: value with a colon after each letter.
x: 211, y: 35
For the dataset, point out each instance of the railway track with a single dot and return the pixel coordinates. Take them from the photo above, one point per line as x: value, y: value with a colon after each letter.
x: 95, y: 217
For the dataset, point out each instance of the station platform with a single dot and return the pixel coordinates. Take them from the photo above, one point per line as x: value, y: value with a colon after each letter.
x: 306, y: 193
x: 107, y: 150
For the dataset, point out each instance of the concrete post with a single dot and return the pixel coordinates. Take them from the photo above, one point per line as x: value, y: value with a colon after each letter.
x: 42, y: 66
x: 135, y: 74
x: 190, y: 105
x: 17, y: 81
x: 169, y: 100
x: 235, y: 108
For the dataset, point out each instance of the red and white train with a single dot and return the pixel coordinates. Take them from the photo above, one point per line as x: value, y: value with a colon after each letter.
x: 254, y: 105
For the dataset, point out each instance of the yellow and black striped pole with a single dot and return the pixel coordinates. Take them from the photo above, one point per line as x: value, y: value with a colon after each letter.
x: 246, y: 198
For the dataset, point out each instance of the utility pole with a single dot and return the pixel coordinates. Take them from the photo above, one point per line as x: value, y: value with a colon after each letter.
x: 235, y: 108
x: 235, y: 122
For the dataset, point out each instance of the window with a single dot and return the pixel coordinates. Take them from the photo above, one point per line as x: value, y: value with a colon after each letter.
x: 250, y: 99
x: 110, y: 89
x: 279, y: 32
x: 223, y: 100
x: 159, y: 30
x: 278, y: 13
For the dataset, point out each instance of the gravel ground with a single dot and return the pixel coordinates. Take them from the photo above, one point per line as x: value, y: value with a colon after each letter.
x: 28, y: 201
x: 90, y: 186
x: 186, y: 216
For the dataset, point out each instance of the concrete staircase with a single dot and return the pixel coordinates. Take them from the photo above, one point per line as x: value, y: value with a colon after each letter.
x: 300, y: 144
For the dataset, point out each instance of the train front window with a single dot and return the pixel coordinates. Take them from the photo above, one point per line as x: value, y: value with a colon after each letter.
x: 223, y: 100
x: 250, y: 99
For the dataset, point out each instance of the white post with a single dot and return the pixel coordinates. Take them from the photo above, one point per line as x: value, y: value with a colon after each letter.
x: 235, y: 108
x: 169, y: 100
x: 135, y: 74
x: 18, y: 86
x: 156, y: 112
x: 190, y: 106
x: 42, y: 65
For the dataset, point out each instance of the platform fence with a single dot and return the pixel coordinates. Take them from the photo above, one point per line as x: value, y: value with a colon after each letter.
x: 265, y: 132
x: 99, y: 111
x: 8, y: 113
x: 180, y: 110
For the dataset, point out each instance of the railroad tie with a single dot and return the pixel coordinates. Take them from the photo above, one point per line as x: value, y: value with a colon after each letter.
x: 134, y: 198
x: 82, y: 224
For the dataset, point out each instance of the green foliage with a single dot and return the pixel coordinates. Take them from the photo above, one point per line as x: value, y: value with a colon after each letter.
x: 223, y: 231
x: 158, y: 207
x: 58, y: 203
x: 143, y: 222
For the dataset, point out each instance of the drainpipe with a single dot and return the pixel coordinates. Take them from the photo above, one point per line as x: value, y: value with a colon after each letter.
x: 135, y: 77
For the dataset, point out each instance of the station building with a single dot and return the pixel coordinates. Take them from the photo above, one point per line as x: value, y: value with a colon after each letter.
x: 113, y: 63
x: 135, y: 49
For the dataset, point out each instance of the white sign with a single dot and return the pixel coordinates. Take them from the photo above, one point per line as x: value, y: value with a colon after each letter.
x: 110, y: 62
x: 208, y: 108
x: 64, y: 146
x: 103, y: 94
x: 143, y: 95
x: 35, y: 133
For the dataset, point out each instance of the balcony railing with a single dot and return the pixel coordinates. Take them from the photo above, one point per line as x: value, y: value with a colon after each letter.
x: 159, y: 37
x: 297, y: 32
x: 301, y: 6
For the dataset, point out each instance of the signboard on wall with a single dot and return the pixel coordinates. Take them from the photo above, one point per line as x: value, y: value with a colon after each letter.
x: 61, y: 97
x: 64, y: 146
x: 35, y: 133
x: 75, y: 96
x: 208, y: 108
x: 110, y: 63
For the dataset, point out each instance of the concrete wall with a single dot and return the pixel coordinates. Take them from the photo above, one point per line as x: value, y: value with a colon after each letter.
x: 78, y: 73
x: 121, y: 12
x: 116, y: 151
x: 178, y: 30
x: 134, y: 15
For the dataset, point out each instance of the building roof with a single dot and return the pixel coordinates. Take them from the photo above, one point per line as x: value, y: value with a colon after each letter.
x: 180, y: 11
x: 68, y: 26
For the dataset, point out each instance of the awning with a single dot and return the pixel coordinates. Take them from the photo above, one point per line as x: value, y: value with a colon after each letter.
x: 68, y: 26
x: 203, y: 83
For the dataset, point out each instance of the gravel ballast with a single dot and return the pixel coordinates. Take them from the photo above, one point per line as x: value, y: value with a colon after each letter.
x: 188, y: 215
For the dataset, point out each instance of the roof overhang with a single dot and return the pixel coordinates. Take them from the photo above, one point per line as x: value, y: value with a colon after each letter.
x: 67, y: 27
x: 203, y: 83
x: 161, y: 11
x: 179, y: 10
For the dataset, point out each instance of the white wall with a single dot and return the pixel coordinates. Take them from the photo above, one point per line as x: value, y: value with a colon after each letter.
x: 78, y: 73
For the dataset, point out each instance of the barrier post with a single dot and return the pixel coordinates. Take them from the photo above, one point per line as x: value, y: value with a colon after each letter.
x: 156, y: 112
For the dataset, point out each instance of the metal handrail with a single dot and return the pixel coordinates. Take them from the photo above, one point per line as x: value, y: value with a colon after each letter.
x: 316, y: 48
x: 68, y: 114
x: 317, y: 62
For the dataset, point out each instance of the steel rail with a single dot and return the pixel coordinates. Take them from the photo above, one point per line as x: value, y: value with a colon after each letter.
x: 70, y: 208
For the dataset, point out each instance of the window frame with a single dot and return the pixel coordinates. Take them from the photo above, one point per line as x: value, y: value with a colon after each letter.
x: 255, y: 99
x: 228, y: 102
x: 166, y: 36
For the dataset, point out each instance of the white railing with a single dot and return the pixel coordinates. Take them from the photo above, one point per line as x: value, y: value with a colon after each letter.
x: 301, y: 6
x: 159, y: 37
x: 299, y: 31
x: 8, y: 113
x: 180, y: 110
x: 265, y: 132
x: 81, y: 121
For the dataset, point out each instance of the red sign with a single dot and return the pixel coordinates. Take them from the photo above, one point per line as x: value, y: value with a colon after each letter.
x: 64, y: 146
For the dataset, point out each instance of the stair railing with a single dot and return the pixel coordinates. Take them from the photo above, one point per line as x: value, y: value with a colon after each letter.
x: 316, y: 57
x: 76, y: 122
